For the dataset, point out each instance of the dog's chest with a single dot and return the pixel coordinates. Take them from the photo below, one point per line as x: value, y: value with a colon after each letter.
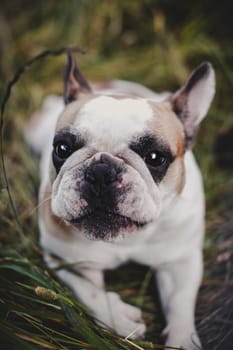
x: 156, y: 245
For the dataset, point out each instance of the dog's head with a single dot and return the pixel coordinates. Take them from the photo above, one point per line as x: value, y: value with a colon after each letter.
x: 116, y: 157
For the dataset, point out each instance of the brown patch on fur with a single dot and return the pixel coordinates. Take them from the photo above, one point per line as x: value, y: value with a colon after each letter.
x: 54, y: 225
x: 71, y: 111
x: 168, y: 127
x: 178, y: 101
x: 180, y: 147
x: 175, y: 176
x: 101, y: 85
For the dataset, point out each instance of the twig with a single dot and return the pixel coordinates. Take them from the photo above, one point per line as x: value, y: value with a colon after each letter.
x: 5, y: 99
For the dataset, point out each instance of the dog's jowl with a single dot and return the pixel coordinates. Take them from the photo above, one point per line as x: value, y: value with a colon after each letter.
x: 119, y: 182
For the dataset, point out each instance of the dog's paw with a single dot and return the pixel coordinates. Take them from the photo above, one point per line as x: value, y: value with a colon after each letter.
x: 185, y: 340
x: 126, y: 319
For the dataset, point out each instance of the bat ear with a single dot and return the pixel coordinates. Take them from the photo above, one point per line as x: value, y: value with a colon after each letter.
x: 192, y: 101
x: 74, y: 82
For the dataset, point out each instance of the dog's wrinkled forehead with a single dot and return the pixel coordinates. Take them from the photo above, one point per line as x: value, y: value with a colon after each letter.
x: 111, y: 123
x: 114, y: 119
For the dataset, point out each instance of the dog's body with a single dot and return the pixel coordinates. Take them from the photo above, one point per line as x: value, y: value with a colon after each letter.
x: 122, y: 185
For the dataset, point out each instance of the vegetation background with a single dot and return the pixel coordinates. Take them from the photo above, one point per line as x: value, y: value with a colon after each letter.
x: 154, y: 42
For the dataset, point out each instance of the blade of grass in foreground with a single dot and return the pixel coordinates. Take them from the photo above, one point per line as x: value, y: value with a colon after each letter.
x: 38, y: 313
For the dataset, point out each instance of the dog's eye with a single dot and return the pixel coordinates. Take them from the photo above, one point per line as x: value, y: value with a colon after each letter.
x: 65, y: 143
x: 154, y: 159
x: 63, y: 150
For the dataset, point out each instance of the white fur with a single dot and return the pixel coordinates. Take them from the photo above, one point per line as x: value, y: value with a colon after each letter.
x: 172, y: 244
x: 111, y: 122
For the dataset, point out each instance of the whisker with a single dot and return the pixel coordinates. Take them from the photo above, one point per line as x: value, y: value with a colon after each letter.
x: 39, y: 205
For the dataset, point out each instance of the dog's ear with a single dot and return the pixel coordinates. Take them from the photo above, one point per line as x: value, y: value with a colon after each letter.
x: 74, y: 81
x: 192, y: 101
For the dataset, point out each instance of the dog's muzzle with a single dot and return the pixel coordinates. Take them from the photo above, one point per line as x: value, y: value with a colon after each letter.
x: 102, y: 191
x: 101, y: 175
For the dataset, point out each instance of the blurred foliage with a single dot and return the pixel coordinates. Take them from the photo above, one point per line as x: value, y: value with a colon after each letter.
x: 154, y: 42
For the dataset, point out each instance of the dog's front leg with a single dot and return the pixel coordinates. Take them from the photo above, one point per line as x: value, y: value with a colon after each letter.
x: 107, y: 307
x: 178, y: 285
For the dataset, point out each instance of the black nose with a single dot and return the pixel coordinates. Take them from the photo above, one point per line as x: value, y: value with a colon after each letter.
x: 102, y: 174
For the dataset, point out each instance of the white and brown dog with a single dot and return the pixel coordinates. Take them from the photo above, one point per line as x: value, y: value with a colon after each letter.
x: 119, y: 183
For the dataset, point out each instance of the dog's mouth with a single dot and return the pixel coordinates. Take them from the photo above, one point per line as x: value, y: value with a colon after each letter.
x: 102, y: 225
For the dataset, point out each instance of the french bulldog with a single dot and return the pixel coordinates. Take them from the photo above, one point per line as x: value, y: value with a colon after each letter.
x: 119, y: 183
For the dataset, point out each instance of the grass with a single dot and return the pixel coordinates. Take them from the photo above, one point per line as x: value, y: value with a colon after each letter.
x: 36, y: 311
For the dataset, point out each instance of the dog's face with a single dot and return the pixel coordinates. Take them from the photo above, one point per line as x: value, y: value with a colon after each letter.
x: 116, y: 157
